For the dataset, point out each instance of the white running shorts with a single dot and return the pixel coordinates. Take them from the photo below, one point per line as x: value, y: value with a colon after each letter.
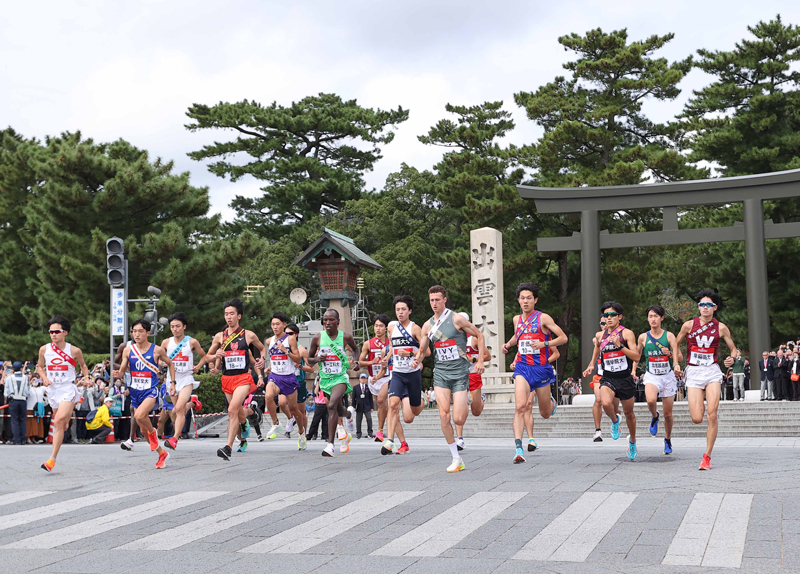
x: 185, y: 380
x: 667, y: 385
x: 57, y: 394
x: 701, y: 377
x: 375, y: 389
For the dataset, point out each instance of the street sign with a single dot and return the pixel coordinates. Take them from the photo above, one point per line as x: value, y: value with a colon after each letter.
x: 118, y: 312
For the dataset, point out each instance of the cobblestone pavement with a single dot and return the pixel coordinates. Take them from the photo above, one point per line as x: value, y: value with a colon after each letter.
x: 573, y: 507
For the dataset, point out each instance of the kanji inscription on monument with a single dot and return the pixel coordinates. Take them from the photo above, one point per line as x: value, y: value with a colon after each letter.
x: 486, y: 264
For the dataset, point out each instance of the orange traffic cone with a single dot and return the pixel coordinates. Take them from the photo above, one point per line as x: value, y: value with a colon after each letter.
x: 50, y: 433
x: 110, y: 437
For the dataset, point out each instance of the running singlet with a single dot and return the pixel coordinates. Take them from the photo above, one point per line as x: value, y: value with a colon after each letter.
x: 376, y: 349
x: 60, y: 370
x: 658, y: 356
x: 143, y: 374
x: 703, y: 341
x: 616, y: 364
x: 336, y: 362
x: 402, y: 343
x: 529, y: 331
x: 472, y: 353
x: 183, y: 361
x: 237, y: 359
x: 449, y: 345
x: 279, y: 362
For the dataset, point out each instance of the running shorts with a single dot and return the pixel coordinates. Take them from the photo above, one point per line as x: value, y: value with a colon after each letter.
x: 375, y: 388
x: 231, y: 382
x: 535, y: 375
x: 475, y: 381
x: 184, y: 380
x: 287, y: 384
x: 138, y: 397
x: 667, y: 385
x: 326, y: 385
x: 64, y: 392
x: 455, y: 384
x: 595, y: 381
x: 302, y: 391
x: 700, y: 377
x: 407, y: 385
x: 623, y: 388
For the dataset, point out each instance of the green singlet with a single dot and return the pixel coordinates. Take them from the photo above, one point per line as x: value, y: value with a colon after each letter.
x: 333, y: 371
x: 657, y: 362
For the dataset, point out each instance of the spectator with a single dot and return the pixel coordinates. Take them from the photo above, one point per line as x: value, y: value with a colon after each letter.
x: 35, y: 407
x: 362, y: 399
x: 100, y: 426
x: 7, y: 370
x: 573, y: 390
x: 87, y: 405
x: 747, y: 374
x: 767, y: 372
x: 17, y: 391
x: 781, y: 368
x: 320, y: 415
x: 738, y: 376
x: 794, y: 375
x: 432, y: 398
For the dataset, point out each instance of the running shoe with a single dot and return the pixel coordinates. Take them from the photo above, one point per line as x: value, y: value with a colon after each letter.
x: 290, y: 426
x: 483, y: 397
x: 456, y: 466
x: 49, y: 464
x: 631, y: 449
x: 162, y: 459
x: 598, y: 436
x: 615, y: 428
x: 344, y: 445
x: 654, y: 425
x: 555, y: 405
x: 460, y: 444
x: 469, y: 399
x: 242, y: 446
x: 387, y: 447
x: 340, y: 432
x: 273, y: 431
x: 171, y: 443
x: 706, y: 464
x: 667, y: 446
x: 261, y: 438
x: 244, y: 429
x: 518, y: 458
x: 328, y: 450
x: 351, y: 422
x: 287, y: 434
x: 379, y: 436
x: 532, y: 446
x: 257, y: 416
x: 126, y: 445
x: 302, y: 442
x: 224, y: 453
x: 152, y: 438
x: 403, y: 448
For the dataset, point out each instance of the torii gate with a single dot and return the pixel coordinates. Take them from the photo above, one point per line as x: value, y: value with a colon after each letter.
x: 751, y: 190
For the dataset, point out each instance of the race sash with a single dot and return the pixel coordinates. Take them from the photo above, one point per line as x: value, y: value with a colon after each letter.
x: 413, y: 342
x: 231, y: 338
x: 63, y: 355
x: 701, y: 329
x: 664, y: 350
x: 605, y: 341
x: 177, y: 350
x: 528, y: 323
x: 434, y: 330
x: 141, y: 358
x: 275, y: 341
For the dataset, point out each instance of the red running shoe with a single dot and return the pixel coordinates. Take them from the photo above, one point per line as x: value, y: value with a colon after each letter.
x: 152, y: 438
x: 49, y: 464
x: 162, y: 459
x: 706, y: 464
x: 171, y: 443
x: 403, y: 448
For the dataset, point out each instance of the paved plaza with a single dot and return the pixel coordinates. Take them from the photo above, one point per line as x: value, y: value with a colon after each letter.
x: 574, y: 507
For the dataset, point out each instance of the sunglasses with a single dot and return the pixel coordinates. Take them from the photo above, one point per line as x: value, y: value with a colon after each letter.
x: 610, y: 314
x: 57, y: 331
x: 290, y: 332
x: 706, y: 304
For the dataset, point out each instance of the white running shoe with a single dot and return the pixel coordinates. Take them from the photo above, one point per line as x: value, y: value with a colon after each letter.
x: 351, y: 422
x: 456, y: 466
x: 328, y: 450
x: 344, y: 445
x: 126, y: 445
x: 301, y: 442
x: 340, y: 432
x: 460, y: 444
x: 598, y: 436
x: 290, y: 426
x: 273, y: 431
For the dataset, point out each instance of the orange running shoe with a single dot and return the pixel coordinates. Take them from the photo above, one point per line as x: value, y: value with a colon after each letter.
x: 706, y: 464
x: 48, y: 466
x: 171, y: 443
x: 162, y: 459
x: 403, y: 448
x: 153, y: 440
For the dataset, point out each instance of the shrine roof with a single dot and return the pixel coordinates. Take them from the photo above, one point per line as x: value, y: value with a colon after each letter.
x: 330, y: 240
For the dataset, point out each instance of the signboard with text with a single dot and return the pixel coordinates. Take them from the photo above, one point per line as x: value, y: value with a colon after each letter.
x: 118, y: 312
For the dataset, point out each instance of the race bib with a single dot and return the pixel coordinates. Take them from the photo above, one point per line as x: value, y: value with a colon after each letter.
x: 57, y: 373
x: 701, y: 357
x: 235, y: 360
x: 659, y: 365
x: 614, y: 361
x: 141, y: 380
x: 332, y: 364
x: 377, y: 354
x: 181, y: 363
x: 402, y: 362
x: 525, y: 344
x: 446, y: 350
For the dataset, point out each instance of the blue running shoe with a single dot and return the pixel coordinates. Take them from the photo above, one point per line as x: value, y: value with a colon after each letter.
x: 631, y: 449
x: 654, y: 425
x: 244, y: 429
x: 615, y: 429
x: 532, y: 446
x: 555, y: 405
x: 667, y: 446
x: 519, y: 458
x: 242, y: 446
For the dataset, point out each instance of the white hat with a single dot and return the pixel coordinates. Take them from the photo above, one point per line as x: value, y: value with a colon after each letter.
x: 108, y: 400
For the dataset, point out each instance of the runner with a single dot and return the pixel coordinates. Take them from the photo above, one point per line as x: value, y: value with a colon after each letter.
x: 532, y: 446
x: 448, y: 331
x: 300, y: 371
x: 405, y: 386
x: 328, y: 348
x: 181, y: 349
x: 618, y: 352
x: 533, y: 331
x: 143, y: 359
x: 658, y: 348
x: 478, y: 399
x: 282, y: 380
x: 703, y: 375
x: 372, y: 353
x: 56, y: 367
x: 231, y: 346
x: 122, y: 349
x: 597, y: 407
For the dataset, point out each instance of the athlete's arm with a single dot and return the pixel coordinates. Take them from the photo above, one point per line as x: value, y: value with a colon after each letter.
x: 160, y: 354
x: 673, y: 344
x: 77, y: 354
x: 423, y: 345
x: 123, y: 365
x: 304, y: 355
x: 197, y: 349
x: 630, y: 351
x: 389, y: 349
x: 252, y: 339
x: 362, y: 359
x: 41, y: 367
x: 725, y: 333
x: 595, y: 354
x: 561, y: 338
x: 350, y: 342
x: 687, y: 326
x: 554, y: 355
x: 416, y: 331
x: 212, y: 353
x: 313, y: 359
x: 461, y: 323
x: 256, y: 368
x: 512, y: 342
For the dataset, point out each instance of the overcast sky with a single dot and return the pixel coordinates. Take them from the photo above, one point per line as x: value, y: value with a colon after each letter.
x: 130, y: 70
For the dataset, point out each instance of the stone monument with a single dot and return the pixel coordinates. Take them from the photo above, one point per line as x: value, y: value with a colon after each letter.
x: 486, y: 256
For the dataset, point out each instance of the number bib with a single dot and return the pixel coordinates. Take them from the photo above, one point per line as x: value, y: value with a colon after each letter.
x: 614, y: 361
x: 332, y: 364
x: 141, y: 380
x: 376, y: 353
x: 701, y: 357
x: 446, y: 350
x: 181, y: 363
x: 525, y: 343
x: 279, y: 364
x: 658, y: 365
x: 402, y: 362
x: 235, y: 360
x: 57, y: 373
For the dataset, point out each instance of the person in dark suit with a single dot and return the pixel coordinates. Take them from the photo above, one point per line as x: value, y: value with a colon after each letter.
x: 767, y: 372
x: 362, y: 399
x: 781, y: 368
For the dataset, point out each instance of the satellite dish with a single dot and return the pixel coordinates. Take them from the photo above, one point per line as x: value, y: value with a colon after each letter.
x: 298, y: 296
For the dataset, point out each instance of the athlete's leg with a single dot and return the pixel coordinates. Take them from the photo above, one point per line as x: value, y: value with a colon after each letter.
x: 597, y: 407
x: 666, y: 403
x: 443, y: 396
x: 460, y: 408
x: 162, y: 421
x: 713, y: 391
x: 270, y: 393
x: 651, y: 394
x: 408, y: 411
x: 477, y: 402
x: 294, y: 409
x: 180, y: 410
x: 134, y: 424
x: 630, y: 417
x: 696, y: 407
x: 61, y: 420
x: 236, y: 414
x: 522, y: 391
x: 546, y: 405
x: 529, y: 415
x: 392, y: 417
x: 335, y: 409
x: 383, y: 405
x: 607, y: 397
x: 143, y: 419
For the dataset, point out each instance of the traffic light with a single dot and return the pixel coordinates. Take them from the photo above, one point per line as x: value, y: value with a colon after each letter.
x: 115, y: 261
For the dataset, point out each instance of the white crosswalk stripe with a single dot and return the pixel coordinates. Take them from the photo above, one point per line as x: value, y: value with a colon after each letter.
x: 61, y: 536
x: 301, y: 538
x: 712, y: 532
x: 21, y: 496
x: 574, y: 533
x: 196, y: 529
x: 448, y: 528
x: 55, y: 509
